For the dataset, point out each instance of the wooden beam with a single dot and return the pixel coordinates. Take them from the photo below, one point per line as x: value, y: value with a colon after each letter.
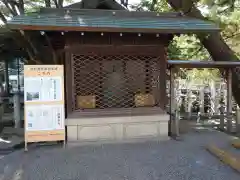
x: 69, y: 98
x: 109, y: 29
x: 203, y: 64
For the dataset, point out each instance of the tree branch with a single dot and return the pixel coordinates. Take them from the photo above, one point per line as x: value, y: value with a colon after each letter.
x: 8, y: 7
x: 31, y: 56
x: 20, y: 42
x: 233, y: 35
x: 21, y: 6
x: 198, y: 50
x: 47, y: 3
x: 124, y: 3
x: 56, y: 3
x: 50, y: 45
x: 13, y: 6
x: 225, y: 2
x: 60, y: 3
x: 3, y: 18
x: 152, y: 7
x: 186, y: 6
x: 29, y: 41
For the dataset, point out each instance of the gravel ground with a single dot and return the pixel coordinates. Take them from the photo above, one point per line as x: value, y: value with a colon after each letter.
x: 170, y: 160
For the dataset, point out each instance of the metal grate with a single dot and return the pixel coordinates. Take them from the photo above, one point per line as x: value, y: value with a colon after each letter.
x: 115, y: 81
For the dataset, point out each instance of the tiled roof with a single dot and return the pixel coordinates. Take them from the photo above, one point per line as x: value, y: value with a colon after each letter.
x: 106, y: 20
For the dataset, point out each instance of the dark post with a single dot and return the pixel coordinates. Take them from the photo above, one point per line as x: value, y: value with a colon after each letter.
x: 18, y: 74
x: 221, y: 109
x: 6, y: 77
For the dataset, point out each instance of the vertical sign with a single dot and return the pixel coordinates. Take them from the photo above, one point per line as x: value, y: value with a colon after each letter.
x: 44, y: 103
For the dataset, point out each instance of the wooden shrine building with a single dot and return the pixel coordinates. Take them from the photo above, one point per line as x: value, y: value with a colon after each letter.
x: 115, y: 66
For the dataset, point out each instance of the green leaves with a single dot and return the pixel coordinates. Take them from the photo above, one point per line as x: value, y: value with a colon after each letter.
x: 187, y: 47
x: 159, y: 6
x: 209, y: 3
x: 225, y: 13
x: 203, y: 75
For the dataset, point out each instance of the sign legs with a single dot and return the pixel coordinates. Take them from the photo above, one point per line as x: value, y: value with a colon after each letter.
x: 25, y: 147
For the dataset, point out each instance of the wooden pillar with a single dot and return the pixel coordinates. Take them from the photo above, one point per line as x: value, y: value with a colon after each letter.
x: 238, y: 120
x: 68, y: 74
x: 222, y: 106
x: 186, y: 99
x: 189, y: 97
x: 173, y: 105
x: 1, y: 104
x: 172, y: 100
x: 18, y: 74
x: 177, y: 109
x: 6, y: 77
x: 163, y: 77
x: 213, y: 97
x: 222, y: 123
x: 229, y: 100
x: 201, y: 96
x: 17, y: 110
x: 217, y: 97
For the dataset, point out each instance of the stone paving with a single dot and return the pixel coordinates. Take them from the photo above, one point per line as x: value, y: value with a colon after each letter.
x: 11, y: 139
x: 169, y: 160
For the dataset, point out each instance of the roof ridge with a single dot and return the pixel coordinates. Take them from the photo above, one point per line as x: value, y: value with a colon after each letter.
x: 122, y: 13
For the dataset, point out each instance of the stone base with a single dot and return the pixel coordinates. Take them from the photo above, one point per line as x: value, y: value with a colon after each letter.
x: 117, y: 128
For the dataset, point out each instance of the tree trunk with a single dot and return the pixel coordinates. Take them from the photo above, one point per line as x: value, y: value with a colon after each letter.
x: 220, y: 51
x: 214, y: 43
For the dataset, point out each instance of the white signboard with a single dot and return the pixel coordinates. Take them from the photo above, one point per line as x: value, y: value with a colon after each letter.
x: 44, y: 103
x: 44, y: 117
x: 43, y: 89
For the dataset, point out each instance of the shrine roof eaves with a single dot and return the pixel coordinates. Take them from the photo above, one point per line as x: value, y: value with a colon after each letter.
x: 110, y: 21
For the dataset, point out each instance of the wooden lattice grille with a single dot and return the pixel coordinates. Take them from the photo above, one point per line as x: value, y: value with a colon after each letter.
x: 115, y: 81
